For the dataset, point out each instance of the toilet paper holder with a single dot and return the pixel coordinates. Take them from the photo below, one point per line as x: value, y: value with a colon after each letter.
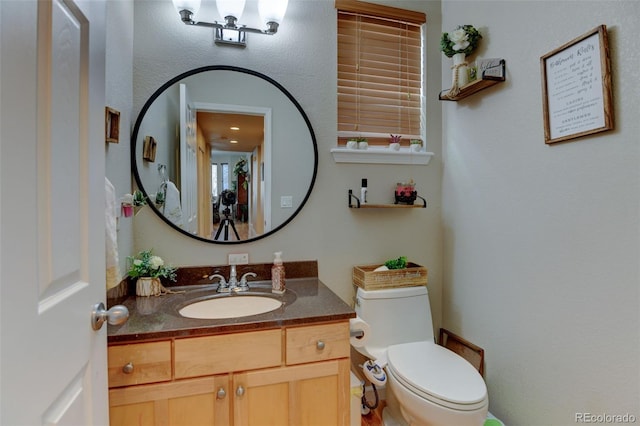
x: 356, y: 333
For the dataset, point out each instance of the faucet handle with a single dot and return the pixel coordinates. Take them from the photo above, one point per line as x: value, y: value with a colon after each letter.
x: 243, y: 280
x: 221, y: 279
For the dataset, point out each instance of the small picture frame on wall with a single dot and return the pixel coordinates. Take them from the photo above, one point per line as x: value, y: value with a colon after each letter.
x: 111, y: 125
x: 576, y: 88
x: 149, y: 148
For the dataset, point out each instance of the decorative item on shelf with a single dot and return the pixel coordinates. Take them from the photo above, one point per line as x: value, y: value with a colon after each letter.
x: 352, y: 144
x: 394, y: 142
x: 111, y: 125
x: 126, y: 205
x: 489, y: 72
x: 138, y: 198
x: 357, y: 203
x: 129, y: 203
x: 160, y: 198
x: 147, y: 269
x: 457, y: 45
x: 406, y: 192
x: 363, y: 143
x: 149, y: 149
x: 415, y: 145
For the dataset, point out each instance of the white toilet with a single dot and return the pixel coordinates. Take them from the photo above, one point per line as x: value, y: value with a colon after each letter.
x: 426, y: 383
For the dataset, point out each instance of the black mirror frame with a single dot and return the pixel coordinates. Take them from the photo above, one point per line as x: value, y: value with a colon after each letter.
x: 147, y: 105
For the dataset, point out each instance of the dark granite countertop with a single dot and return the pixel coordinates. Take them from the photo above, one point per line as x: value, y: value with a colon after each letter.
x: 306, y: 301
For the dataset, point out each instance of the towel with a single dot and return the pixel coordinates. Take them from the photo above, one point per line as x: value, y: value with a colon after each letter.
x: 111, y: 235
x: 172, y: 209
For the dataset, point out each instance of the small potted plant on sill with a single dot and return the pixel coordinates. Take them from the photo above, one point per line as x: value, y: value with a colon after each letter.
x: 416, y: 145
x: 394, y: 142
x: 357, y: 143
x: 147, y: 269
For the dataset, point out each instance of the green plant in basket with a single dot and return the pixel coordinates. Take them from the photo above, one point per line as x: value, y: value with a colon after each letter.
x: 146, y: 264
x: 399, y: 263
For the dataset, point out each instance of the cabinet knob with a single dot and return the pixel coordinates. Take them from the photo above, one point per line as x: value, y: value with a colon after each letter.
x: 240, y: 391
x: 221, y: 393
x: 128, y: 368
x: 320, y: 345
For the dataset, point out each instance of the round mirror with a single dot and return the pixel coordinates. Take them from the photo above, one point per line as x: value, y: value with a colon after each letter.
x: 224, y: 154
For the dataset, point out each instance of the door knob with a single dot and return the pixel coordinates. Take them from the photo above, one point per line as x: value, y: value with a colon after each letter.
x: 116, y: 315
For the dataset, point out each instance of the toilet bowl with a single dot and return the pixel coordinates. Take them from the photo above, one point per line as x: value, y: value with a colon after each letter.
x: 434, y: 386
x: 427, y: 384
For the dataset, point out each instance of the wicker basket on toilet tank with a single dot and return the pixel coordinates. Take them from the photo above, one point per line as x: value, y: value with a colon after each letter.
x: 411, y: 276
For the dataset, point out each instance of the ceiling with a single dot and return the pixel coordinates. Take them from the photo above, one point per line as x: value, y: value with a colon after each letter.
x: 215, y: 127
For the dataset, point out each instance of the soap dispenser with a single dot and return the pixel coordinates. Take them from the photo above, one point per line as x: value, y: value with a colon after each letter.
x: 277, y: 274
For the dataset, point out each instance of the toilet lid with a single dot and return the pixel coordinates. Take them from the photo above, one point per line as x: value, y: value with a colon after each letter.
x: 437, y: 374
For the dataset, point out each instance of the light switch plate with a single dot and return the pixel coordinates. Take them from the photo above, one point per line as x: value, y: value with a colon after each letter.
x: 238, y: 258
x: 286, y: 201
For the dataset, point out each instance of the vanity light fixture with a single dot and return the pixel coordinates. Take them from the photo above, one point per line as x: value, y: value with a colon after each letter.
x: 230, y: 32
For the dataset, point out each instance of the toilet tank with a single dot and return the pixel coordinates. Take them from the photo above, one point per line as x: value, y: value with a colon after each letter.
x: 397, y: 315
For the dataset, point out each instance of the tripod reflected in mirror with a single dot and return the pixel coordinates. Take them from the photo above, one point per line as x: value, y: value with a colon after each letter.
x: 227, y: 198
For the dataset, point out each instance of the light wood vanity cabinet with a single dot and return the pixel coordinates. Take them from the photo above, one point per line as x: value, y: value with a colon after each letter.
x: 290, y: 376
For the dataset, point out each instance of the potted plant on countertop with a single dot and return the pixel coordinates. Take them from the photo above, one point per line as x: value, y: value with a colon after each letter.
x: 147, y: 269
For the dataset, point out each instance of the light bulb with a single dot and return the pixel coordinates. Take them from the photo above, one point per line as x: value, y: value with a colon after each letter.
x: 230, y: 8
x: 272, y: 10
x: 191, y: 5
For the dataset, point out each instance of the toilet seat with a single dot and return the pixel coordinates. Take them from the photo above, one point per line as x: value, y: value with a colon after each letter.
x: 438, y: 375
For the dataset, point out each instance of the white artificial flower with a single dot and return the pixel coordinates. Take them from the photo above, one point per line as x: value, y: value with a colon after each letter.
x: 460, y: 39
x: 137, y: 262
x: 156, y: 262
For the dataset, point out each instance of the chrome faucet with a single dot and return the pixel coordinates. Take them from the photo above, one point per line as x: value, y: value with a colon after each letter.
x: 233, y: 284
x: 233, y: 281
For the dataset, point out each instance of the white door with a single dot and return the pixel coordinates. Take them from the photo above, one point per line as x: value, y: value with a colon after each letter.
x: 52, y: 267
x: 188, y: 162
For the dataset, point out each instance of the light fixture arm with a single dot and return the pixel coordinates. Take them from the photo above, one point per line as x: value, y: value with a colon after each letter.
x: 230, y: 24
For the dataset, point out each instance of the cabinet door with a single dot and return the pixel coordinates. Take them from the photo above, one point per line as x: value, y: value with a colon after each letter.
x: 301, y: 395
x: 187, y: 402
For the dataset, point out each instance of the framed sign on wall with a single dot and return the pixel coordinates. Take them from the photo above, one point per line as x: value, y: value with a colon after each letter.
x: 576, y: 88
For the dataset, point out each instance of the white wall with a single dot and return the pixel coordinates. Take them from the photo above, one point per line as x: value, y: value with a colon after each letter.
x: 542, y: 243
x: 301, y: 57
x: 119, y: 95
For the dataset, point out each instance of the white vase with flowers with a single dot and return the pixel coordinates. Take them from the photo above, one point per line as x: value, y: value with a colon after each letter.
x: 458, y: 45
x: 147, y: 269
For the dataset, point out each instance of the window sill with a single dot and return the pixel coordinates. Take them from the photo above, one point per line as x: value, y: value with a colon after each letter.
x: 381, y: 155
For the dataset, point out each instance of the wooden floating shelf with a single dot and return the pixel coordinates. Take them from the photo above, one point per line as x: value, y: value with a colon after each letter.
x: 388, y: 206
x: 475, y: 86
x: 359, y: 205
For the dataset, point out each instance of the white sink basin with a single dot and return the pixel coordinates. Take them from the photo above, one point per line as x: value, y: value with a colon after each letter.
x: 230, y: 307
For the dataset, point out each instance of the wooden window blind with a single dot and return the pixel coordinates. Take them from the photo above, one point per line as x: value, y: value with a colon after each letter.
x: 379, y: 72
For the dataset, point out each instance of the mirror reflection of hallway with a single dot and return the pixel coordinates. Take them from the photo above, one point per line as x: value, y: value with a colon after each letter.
x: 236, y: 142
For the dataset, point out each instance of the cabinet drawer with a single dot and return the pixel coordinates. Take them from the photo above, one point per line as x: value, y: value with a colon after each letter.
x: 317, y: 343
x: 139, y: 363
x: 200, y: 356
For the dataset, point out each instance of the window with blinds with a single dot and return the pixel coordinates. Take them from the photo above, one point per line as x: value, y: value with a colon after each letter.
x: 379, y: 72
